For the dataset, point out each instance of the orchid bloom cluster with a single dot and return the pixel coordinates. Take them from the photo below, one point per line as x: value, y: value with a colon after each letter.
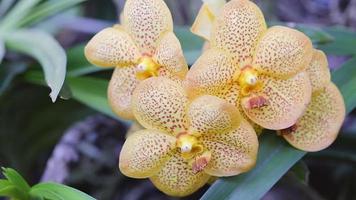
x: 202, y: 123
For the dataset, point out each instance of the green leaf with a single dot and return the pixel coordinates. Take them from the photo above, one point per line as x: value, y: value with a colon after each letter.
x: 91, y: 92
x: 78, y: 65
x: 8, y: 72
x: 19, y: 12
x: 345, y: 79
x: 191, y: 44
x: 275, y: 156
x: 16, y: 179
x: 316, y: 34
x: 47, y: 9
x: 54, y: 191
x: 301, y: 172
x: 344, y: 42
x: 13, y: 192
x: 5, y: 5
x: 2, y: 50
x: 46, y: 50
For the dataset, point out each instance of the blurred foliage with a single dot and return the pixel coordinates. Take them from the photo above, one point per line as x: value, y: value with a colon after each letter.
x: 15, y: 187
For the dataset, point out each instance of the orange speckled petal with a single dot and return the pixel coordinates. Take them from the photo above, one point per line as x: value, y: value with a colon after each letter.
x: 112, y: 47
x: 169, y: 55
x: 232, y: 152
x: 210, y: 74
x: 318, y: 70
x: 177, y: 178
x: 205, y: 19
x: 283, y: 52
x: 160, y: 103
x: 319, y: 126
x: 146, y: 21
x: 211, y: 115
x: 145, y: 152
x: 238, y: 28
x: 120, y: 90
x: 287, y: 100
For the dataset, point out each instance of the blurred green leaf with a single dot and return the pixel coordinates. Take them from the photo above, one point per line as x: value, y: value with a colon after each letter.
x: 91, y: 92
x: 275, y: 156
x: 66, y: 92
x: 316, y: 34
x: 16, y: 179
x: 2, y: 50
x: 8, y: 73
x: 345, y: 79
x: 54, y: 191
x: 192, y: 45
x: 344, y: 42
x: 16, y: 14
x: 13, y: 192
x: 46, y: 50
x: 5, y: 5
x: 15, y: 186
x: 301, y: 172
x: 47, y: 9
x: 77, y: 63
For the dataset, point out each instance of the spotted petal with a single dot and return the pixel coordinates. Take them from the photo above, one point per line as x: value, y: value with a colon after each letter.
x: 212, y: 115
x: 238, y: 28
x: 112, y: 47
x: 169, y: 55
x: 287, y: 100
x: 146, y: 21
x: 283, y: 52
x: 319, y: 126
x: 211, y: 73
x: 145, y: 152
x: 120, y: 90
x: 318, y: 70
x: 205, y: 19
x: 176, y: 178
x: 160, y: 103
x: 232, y: 152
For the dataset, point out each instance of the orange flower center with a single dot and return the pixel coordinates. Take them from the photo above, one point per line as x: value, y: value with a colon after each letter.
x: 146, y: 68
x: 248, y: 80
x: 193, y: 151
x: 188, y: 145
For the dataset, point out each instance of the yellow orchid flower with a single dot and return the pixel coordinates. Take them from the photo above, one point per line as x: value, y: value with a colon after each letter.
x: 260, y: 70
x: 144, y: 45
x: 319, y: 126
x: 185, y: 142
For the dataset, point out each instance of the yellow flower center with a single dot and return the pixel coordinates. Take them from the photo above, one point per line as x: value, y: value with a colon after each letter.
x: 146, y: 68
x: 248, y: 80
x: 188, y: 145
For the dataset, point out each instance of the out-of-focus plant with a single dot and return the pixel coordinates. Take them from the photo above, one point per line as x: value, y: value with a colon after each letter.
x: 16, y: 35
x: 15, y: 187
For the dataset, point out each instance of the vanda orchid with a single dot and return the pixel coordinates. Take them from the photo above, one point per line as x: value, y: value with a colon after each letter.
x: 260, y: 70
x: 144, y: 45
x: 320, y: 124
x: 186, y: 142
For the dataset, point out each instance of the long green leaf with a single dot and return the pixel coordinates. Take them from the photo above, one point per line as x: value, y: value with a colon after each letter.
x: 47, y: 9
x: 344, y: 42
x: 275, y: 156
x: 16, y: 179
x: 56, y: 191
x: 2, y: 50
x: 5, y: 5
x: 46, y: 50
x: 20, y: 11
x: 91, y: 92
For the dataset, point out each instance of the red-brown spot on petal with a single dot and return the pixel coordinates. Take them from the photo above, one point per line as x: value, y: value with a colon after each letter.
x: 200, y: 162
x: 255, y: 102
